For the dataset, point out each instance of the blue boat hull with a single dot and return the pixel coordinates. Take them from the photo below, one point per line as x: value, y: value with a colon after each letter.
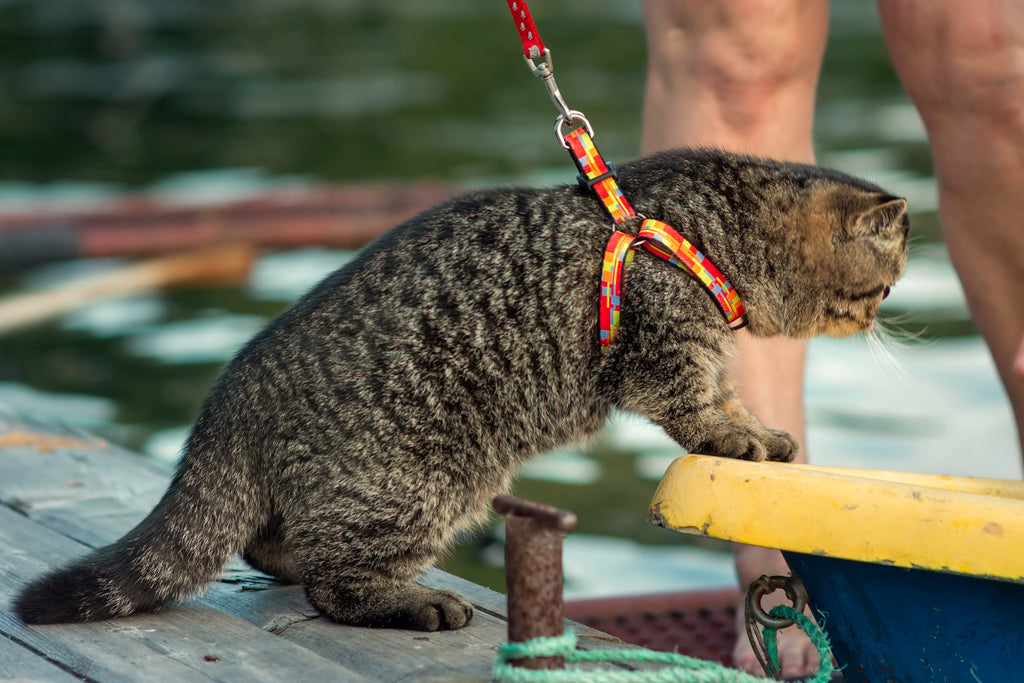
x: 913, y: 625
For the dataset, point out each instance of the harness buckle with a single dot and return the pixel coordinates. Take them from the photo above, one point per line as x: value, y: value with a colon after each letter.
x: 588, y: 183
x: 572, y: 117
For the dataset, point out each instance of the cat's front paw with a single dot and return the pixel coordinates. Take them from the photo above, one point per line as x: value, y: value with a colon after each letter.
x: 780, y: 446
x: 771, y: 444
x: 739, y: 444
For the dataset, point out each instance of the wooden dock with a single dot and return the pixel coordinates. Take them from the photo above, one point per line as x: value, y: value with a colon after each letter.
x: 64, y: 491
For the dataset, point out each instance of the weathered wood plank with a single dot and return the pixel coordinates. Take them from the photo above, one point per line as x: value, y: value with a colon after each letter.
x: 381, y: 654
x: 187, y: 643
x: 19, y: 663
x: 46, y: 466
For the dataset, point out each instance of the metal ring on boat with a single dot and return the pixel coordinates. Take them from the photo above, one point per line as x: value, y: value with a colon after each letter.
x: 795, y: 591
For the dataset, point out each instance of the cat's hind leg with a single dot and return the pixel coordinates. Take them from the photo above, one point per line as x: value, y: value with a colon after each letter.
x: 360, y: 570
x: 408, y: 607
x: 268, y: 553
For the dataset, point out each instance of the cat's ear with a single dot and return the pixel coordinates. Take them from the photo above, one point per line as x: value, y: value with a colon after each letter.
x: 886, y: 214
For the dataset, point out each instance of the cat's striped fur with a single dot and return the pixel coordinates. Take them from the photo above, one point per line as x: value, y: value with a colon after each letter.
x: 349, y: 442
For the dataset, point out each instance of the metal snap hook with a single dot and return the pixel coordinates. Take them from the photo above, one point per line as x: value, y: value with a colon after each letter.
x: 545, y: 72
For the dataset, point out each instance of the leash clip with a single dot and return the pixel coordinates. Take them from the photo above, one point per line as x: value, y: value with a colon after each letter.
x: 545, y: 72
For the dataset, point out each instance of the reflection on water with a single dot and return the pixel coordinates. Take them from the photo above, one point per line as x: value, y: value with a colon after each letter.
x: 939, y: 408
x: 204, y: 102
x: 130, y: 92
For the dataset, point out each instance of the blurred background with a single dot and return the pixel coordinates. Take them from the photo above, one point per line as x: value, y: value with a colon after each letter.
x: 192, y: 104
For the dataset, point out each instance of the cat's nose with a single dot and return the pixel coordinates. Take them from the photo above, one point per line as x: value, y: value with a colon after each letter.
x: 885, y: 292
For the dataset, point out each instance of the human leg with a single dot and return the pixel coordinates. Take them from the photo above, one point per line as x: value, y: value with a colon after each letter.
x: 1018, y: 363
x: 964, y: 72
x: 742, y: 76
x: 738, y: 75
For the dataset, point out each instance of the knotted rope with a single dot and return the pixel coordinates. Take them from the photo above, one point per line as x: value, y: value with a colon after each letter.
x: 678, y: 668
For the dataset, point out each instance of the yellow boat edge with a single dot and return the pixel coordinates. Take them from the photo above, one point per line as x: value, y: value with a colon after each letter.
x: 954, y: 524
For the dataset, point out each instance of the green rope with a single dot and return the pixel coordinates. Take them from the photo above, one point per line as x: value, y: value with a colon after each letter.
x: 683, y: 669
x: 818, y: 639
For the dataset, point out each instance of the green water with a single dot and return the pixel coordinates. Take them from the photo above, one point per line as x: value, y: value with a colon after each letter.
x: 99, y: 98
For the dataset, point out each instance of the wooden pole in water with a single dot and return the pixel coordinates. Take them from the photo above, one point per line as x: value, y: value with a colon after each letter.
x: 222, y: 264
x: 342, y: 216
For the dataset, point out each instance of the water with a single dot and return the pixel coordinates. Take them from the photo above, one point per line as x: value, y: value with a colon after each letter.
x: 200, y: 102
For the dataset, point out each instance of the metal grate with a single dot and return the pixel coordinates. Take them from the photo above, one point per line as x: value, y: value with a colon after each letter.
x: 699, y: 624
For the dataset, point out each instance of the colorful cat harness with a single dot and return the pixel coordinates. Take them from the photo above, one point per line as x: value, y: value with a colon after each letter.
x: 656, y: 237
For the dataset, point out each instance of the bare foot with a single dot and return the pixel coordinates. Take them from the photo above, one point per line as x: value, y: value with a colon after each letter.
x: 797, y: 656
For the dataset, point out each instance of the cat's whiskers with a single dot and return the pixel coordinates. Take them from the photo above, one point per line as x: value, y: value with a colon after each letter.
x: 883, y: 339
x: 893, y: 327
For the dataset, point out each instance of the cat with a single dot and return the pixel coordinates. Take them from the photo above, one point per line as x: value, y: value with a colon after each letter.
x: 349, y: 442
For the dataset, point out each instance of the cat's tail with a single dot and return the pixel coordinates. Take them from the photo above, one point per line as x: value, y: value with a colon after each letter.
x: 202, y: 520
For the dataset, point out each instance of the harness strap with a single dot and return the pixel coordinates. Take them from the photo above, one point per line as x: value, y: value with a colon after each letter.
x: 662, y: 240
x: 617, y: 257
x: 657, y: 237
x: 597, y: 175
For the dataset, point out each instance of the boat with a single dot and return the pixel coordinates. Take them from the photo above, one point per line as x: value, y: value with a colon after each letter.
x: 914, y: 577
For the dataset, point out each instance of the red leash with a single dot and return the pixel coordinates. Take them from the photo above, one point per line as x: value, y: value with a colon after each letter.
x: 658, y: 238
x: 533, y: 46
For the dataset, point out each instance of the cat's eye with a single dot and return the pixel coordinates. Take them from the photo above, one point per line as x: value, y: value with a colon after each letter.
x: 885, y: 292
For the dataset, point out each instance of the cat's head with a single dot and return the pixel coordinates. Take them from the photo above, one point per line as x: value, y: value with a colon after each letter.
x: 845, y: 246
x: 810, y: 250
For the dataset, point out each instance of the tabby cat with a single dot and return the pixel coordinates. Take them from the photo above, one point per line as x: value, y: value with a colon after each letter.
x: 349, y: 442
